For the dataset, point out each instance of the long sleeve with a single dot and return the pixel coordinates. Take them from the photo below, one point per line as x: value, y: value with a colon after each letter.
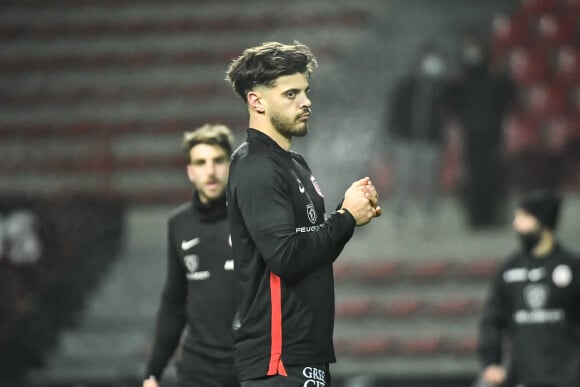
x: 171, y: 314
x: 265, y: 204
x: 493, y: 324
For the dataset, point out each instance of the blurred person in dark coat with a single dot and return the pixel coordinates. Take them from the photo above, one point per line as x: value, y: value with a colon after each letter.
x: 481, y: 99
x: 416, y: 130
x: 532, y: 314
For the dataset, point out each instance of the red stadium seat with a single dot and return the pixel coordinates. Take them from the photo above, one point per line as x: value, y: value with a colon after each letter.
x: 555, y: 31
x: 572, y: 8
x: 381, y: 271
x: 558, y: 132
x: 354, y: 308
x: 422, y: 346
x: 527, y: 66
x: 437, y: 270
x: 402, y: 308
x: 373, y: 346
x: 568, y: 65
x: 535, y: 8
x: 456, y: 307
x: 481, y: 269
x: 521, y: 134
x: 545, y: 101
x: 508, y: 32
x: 463, y: 345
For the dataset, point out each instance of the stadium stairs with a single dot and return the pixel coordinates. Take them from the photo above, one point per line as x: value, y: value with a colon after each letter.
x: 96, y: 94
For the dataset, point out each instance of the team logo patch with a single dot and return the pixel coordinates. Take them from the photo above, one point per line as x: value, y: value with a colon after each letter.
x: 191, y: 262
x: 562, y: 276
x: 300, y: 186
x: 311, y: 212
x: 316, y: 186
x: 536, y: 296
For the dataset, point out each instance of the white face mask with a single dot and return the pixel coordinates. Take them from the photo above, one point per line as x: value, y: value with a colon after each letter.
x: 432, y: 66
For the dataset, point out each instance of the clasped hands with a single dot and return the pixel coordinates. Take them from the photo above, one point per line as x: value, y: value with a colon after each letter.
x: 361, y: 201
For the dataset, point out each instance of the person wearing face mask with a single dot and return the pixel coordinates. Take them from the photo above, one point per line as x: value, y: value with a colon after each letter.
x: 416, y: 132
x: 481, y: 99
x: 534, y: 306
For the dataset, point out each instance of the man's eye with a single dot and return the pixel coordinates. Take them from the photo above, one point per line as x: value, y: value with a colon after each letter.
x: 290, y: 94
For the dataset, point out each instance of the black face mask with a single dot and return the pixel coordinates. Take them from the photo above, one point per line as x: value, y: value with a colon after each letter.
x: 529, y: 240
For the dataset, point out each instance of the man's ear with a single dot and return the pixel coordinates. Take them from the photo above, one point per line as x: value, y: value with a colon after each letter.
x: 190, y: 174
x: 255, y: 102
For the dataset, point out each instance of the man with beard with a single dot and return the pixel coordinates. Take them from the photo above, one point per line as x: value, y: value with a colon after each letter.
x: 199, y: 285
x: 284, y: 243
x: 534, y: 306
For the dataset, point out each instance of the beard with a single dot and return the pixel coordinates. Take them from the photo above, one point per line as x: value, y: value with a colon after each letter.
x: 288, y: 127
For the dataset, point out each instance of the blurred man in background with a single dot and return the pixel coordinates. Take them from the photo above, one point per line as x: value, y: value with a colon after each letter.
x: 416, y: 130
x: 199, y: 285
x: 284, y: 243
x: 481, y: 99
x: 534, y: 306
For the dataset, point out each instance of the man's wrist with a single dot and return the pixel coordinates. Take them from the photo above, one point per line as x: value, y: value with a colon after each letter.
x: 151, y: 377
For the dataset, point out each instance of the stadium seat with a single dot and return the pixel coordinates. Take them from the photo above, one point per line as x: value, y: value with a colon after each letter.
x: 455, y: 307
x: 546, y: 100
x: 535, y: 8
x: 401, y: 308
x: 555, y: 31
x: 527, y: 66
x: 567, y: 67
x: 559, y: 131
x: 572, y: 8
x: 521, y: 134
x: 381, y: 271
x: 421, y: 346
x: 433, y: 271
x: 354, y: 308
x: 478, y: 270
x: 367, y: 347
x: 508, y: 32
x: 463, y: 346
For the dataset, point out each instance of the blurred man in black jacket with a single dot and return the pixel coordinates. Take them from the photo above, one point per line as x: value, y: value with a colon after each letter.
x: 534, y: 305
x: 199, y: 286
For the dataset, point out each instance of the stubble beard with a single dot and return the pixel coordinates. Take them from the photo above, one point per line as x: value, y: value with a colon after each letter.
x: 289, y: 129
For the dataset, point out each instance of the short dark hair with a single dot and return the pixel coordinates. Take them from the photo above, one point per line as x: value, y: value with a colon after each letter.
x: 263, y: 64
x: 210, y: 134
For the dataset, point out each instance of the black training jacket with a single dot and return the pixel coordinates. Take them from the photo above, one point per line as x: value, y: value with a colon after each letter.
x: 283, y: 247
x: 535, y: 305
x: 199, y: 287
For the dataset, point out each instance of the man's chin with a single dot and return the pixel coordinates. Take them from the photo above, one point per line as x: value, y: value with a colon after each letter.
x: 301, y: 132
x: 212, y: 195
